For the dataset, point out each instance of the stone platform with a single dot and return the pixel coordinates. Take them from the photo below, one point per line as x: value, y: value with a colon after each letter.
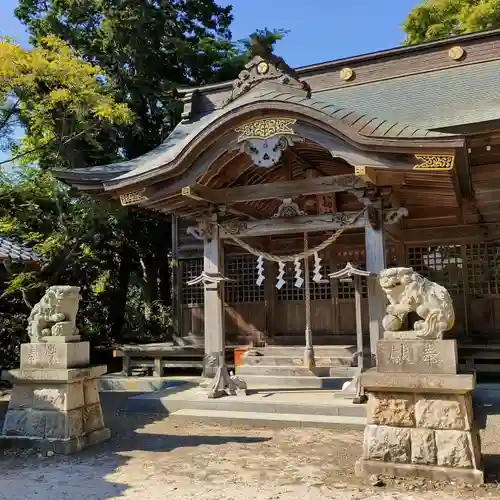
x: 420, y: 423
x: 293, y: 408
x: 54, y: 404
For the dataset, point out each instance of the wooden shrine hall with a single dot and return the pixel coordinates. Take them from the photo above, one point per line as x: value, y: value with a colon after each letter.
x: 278, y: 180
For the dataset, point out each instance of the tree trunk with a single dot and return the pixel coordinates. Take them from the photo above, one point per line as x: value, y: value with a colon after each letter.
x: 119, y: 302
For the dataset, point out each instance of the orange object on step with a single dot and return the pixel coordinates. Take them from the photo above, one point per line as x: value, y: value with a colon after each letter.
x: 238, y: 356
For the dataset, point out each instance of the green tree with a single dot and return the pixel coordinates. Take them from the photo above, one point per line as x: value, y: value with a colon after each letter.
x: 58, y: 98
x: 436, y: 19
x: 141, y: 51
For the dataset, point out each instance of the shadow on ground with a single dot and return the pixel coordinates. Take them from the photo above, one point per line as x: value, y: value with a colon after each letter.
x: 86, y: 474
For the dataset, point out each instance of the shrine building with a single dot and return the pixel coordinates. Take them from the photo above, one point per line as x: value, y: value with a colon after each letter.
x: 278, y: 180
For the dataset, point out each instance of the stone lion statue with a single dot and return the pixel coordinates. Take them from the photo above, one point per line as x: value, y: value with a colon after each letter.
x: 408, y: 291
x: 55, y: 314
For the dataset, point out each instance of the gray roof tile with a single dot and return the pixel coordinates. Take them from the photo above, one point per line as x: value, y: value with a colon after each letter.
x: 434, y: 100
x: 17, y: 253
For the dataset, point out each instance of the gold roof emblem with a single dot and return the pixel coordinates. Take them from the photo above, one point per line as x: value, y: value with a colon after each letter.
x: 262, y: 68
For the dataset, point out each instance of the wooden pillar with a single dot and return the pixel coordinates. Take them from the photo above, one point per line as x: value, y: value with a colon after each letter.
x: 176, y: 280
x: 375, y: 262
x: 269, y: 300
x: 213, y: 265
x: 359, y: 323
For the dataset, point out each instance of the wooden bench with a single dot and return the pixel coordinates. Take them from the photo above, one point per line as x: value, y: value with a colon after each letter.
x: 483, y: 358
x: 155, y: 358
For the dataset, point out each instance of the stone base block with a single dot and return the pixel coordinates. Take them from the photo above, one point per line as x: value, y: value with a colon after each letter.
x: 52, y: 375
x: 374, y: 381
x: 55, y: 355
x: 61, y: 339
x: 417, y: 356
x: 59, y: 446
x: 61, y: 412
x: 435, y: 473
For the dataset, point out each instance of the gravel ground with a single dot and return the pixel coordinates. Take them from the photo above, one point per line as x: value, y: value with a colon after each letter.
x: 150, y: 458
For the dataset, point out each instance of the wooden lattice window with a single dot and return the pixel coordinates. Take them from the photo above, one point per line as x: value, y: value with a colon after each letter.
x: 242, y: 270
x: 442, y: 264
x: 483, y: 268
x: 193, y: 295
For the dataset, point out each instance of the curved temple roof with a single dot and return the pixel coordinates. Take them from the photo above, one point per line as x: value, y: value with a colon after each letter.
x: 360, y: 124
x: 389, y: 115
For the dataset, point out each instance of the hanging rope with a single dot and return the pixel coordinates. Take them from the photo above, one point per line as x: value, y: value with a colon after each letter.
x: 299, y: 256
x: 308, y: 292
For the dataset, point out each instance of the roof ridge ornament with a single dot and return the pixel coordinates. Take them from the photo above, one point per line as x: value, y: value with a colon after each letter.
x: 265, y: 66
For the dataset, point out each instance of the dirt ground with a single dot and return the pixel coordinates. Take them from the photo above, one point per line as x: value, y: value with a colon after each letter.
x: 151, y: 458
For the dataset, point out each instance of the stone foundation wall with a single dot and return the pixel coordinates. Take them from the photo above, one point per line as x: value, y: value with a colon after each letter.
x: 422, y: 429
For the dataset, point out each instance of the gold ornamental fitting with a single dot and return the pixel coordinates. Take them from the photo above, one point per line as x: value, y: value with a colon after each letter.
x: 456, y: 53
x: 347, y: 74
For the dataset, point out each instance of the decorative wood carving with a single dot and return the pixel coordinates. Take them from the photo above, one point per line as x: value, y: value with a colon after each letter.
x: 200, y: 232
x: 267, y: 153
x: 263, y: 66
x: 189, y: 102
x: 133, y: 197
x: 287, y: 225
x: 373, y: 217
x: 265, y: 128
x: 435, y: 163
x: 288, y: 209
x: 393, y: 216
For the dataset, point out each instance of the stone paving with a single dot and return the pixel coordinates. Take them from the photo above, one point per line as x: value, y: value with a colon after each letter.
x: 149, y: 457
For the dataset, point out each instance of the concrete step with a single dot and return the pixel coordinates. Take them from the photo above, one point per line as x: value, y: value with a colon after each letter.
x: 298, y: 351
x: 297, y: 371
x: 278, y: 420
x: 294, y: 382
x: 318, y: 339
x: 299, y: 340
x: 295, y: 361
x: 295, y: 401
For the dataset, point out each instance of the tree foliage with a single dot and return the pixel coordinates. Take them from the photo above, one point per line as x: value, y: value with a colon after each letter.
x: 436, y: 19
x: 103, y: 88
x: 58, y: 98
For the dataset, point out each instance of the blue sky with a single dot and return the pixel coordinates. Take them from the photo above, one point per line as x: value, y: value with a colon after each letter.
x: 320, y: 30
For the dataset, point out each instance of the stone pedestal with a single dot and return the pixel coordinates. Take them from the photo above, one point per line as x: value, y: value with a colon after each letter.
x: 55, y: 403
x: 419, y: 414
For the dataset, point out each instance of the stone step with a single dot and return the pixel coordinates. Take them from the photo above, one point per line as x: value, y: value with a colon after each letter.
x: 278, y: 420
x: 295, y: 361
x: 298, y: 351
x: 324, y: 340
x: 294, y: 382
x: 296, y: 401
x: 297, y: 371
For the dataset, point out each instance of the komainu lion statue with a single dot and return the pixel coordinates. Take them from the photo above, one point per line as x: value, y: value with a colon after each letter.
x: 55, y: 314
x: 407, y: 292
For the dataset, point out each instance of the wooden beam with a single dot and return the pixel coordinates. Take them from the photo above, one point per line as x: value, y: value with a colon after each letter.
x: 457, y: 233
x: 288, y: 225
x: 279, y: 190
x: 239, y: 211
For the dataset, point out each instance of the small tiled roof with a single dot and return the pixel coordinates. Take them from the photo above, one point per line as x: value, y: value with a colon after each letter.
x: 17, y: 253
